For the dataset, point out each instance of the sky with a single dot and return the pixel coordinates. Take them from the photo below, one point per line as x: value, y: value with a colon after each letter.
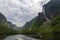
x: 21, y: 11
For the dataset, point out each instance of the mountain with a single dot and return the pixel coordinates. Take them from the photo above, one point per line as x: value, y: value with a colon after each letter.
x: 52, y: 8
x: 26, y: 25
x: 15, y: 27
x: 5, y: 26
x: 9, y: 24
x: 47, y: 23
x: 2, y: 18
x: 40, y: 19
x: 51, y: 29
x: 35, y: 22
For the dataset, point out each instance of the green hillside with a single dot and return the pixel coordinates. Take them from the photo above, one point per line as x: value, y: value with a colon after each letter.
x: 34, y: 24
x: 49, y: 30
x: 5, y: 27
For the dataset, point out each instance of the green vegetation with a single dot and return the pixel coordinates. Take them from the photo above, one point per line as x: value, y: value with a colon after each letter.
x: 49, y: 30
x: 5, y: 26
x: 5, y: 29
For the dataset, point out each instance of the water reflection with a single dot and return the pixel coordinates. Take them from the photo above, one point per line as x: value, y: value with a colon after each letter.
x: 19, y: 37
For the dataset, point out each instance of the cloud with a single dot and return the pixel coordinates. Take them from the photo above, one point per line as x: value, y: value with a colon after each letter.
x: 21, y: 11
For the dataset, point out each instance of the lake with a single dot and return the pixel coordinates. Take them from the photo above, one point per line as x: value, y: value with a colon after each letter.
x: 19, y: 37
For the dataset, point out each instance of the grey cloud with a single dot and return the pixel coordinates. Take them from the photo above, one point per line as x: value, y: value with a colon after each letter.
x: 21, y: 11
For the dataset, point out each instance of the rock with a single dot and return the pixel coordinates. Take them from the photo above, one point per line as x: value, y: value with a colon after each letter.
x: 42, y: 16
x: 52, y: 8
x: 35, y: 22
x: 2, y: 18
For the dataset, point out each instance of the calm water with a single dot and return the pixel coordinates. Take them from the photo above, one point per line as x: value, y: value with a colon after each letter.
x: 19, y: 37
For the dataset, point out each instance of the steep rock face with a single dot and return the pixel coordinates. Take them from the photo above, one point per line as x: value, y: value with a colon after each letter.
x: 2, y: 18
x: 41, y: 17
x: 37, y: 21
x: 52, y: 8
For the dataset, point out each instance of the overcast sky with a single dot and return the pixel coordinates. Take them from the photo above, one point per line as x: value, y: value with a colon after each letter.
x: 21, y: 11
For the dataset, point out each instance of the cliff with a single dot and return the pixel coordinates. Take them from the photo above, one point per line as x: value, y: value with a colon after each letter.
x: 47, y: 23
x: 52, y: 8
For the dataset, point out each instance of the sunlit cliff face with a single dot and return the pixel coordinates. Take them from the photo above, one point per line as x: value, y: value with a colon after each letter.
x: 21, y: 11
